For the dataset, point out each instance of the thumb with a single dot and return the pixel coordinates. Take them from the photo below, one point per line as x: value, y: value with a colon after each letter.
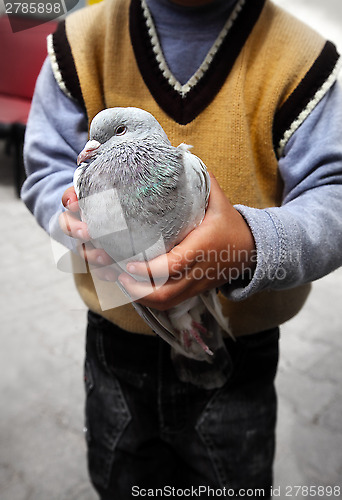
x: 217, y: 197
x: 70, y: 200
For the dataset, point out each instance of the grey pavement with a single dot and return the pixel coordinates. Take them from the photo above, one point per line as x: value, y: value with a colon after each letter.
x: 42, y: 449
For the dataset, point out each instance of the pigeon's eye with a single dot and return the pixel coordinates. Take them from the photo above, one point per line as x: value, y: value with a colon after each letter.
x: 120, y: 130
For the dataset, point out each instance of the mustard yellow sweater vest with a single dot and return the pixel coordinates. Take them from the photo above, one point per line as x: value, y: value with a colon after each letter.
x: 258, y: 84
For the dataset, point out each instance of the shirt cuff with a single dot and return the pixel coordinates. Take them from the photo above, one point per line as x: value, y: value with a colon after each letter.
x: 270, y: 244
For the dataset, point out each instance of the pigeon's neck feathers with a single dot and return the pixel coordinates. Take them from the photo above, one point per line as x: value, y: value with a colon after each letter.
x: 140, y: 162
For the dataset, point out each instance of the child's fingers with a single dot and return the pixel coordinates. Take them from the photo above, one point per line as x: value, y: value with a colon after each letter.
x: 94, y: 256
x: 143, y: 269
x: 182, y: 257
x: 72, y: 226
x: 107, y: 273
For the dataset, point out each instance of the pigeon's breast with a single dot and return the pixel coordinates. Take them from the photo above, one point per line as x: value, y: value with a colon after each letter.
x: 144, y: 201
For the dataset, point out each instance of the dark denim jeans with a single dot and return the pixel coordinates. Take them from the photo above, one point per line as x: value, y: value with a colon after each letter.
x: 146, y: 429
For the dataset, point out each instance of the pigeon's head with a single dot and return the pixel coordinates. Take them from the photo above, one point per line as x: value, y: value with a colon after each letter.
x: 123, y: 124
x: 114, y: 126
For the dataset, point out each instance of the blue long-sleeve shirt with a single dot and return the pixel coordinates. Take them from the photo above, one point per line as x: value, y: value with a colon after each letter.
x: 296, y: 243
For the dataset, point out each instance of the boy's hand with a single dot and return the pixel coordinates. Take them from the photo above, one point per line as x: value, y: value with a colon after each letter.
x: 214, y: 253
x: 71, y: 225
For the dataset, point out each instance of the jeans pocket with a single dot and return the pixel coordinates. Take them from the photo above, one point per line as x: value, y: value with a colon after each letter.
x: 238, y: 430
x: 107, y: 415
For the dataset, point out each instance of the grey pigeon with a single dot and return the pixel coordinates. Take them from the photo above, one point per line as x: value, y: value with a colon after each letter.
x: 140, y: 196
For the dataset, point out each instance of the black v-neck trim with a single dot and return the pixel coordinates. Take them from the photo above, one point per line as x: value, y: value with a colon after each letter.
x: 66, y: 64
x: 305, y: 93
x: 184, y: 109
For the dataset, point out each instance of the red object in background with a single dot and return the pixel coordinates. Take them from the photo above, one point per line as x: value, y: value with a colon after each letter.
x: 22, y: 54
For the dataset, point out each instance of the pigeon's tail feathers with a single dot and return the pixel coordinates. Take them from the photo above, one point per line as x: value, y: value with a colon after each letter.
x: 164, y: 331
x: 212, y: 303
x: 199, y: 368
x: 163, y: 328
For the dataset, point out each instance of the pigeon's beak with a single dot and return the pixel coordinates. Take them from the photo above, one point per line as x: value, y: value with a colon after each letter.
x: 88, y: 151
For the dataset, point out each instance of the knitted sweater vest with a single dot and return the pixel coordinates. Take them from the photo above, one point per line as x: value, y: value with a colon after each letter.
x: 261, y: 79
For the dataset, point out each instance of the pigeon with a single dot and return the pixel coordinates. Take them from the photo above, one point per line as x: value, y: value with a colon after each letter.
x: 140, y: 196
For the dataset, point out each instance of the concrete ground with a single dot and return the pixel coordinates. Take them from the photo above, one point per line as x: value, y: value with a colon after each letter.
x: 42, y: 450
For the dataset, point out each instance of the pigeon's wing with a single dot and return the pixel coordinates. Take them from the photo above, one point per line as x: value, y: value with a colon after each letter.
x: 197, y: 170
x: 167, y: 333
